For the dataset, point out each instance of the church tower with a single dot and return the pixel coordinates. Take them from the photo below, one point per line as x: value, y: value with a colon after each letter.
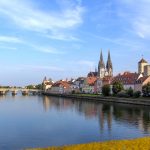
x: 141, y: 64
x: 109, y: 66
x: 101, y: 67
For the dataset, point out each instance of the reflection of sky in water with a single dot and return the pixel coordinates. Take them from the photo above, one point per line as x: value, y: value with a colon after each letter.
x: 36, y: 121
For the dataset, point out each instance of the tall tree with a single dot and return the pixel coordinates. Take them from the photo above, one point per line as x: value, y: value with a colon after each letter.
x: 146, y: 89
x: 117, y: 87
x: 106, y: 90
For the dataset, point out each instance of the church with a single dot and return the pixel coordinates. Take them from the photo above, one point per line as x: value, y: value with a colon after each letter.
x: 103, y: 70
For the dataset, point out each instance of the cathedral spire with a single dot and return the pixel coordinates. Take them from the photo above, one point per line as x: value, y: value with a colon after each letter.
x: 101, y: 62
x: 101, y: 66
x: 109, y: 66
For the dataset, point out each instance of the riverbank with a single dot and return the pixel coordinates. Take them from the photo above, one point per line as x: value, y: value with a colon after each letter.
x: 90, y: 97
x: 134, y: 144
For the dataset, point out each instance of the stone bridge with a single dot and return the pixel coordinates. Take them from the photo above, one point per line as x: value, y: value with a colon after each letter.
x: 14, y: 91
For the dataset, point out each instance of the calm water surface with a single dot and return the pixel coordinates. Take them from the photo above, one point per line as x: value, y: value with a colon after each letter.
x: 41, y: 121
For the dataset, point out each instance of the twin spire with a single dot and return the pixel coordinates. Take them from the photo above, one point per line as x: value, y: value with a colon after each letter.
x: 105, y: 70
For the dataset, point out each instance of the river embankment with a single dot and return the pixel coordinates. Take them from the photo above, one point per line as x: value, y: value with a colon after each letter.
x: 100, y: 98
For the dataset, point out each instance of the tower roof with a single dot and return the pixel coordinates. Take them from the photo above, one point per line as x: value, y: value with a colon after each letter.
x: 109, y: 62
x: 101, y: 62
x: 143, y: 61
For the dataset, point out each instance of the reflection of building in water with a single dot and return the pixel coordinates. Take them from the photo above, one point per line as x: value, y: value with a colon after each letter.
x: 105, y: 113
x: 134, y: 116
x: 109, y: 118
x: 144, y: 121
x: 46, y: 102
x: 125, y: 114
x: 101, y: 117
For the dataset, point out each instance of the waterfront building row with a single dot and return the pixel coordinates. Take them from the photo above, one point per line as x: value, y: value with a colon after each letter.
x: 94, y: 81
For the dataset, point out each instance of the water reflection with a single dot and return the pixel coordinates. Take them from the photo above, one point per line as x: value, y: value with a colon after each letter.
x: 130, y: 115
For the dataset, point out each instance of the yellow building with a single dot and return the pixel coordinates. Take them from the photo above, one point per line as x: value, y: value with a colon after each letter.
x: 147, y: 70
x: 141, y: 64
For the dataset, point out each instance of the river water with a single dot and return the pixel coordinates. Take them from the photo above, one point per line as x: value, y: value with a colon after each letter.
x: 42, y: 121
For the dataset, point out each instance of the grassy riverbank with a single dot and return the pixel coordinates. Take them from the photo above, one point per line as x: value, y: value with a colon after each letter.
x: 134, y: 144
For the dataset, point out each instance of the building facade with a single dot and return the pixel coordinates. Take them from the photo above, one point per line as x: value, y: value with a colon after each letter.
x: 147, y: 70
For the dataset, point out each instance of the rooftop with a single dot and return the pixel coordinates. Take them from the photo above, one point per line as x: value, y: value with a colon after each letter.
x: 143, y: 61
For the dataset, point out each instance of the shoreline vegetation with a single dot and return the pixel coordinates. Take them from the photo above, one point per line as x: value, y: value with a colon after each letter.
x: 100, y: 98
x: 131, y: 144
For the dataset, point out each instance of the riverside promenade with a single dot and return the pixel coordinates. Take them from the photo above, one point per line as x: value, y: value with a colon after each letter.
x: 99, y: 98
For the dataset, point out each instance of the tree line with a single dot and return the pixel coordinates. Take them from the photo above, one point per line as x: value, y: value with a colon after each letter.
x: 118, y: 90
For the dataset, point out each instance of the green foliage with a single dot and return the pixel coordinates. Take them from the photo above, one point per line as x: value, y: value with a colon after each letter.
x: 106, y: 90
x: 39, y: 86
x: 117, y: 87
x: 5, y: 87
x: 30, y: 87
x: 130, y: 92
x: 73, y: 92
x: 137, y: 94
x: 146, y: 90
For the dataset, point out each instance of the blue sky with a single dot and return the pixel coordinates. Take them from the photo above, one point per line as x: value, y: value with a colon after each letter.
x: 63, y: 38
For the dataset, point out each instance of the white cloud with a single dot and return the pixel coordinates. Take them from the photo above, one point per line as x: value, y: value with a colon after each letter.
x: 45, y: 49
x: 49, y: 68
x: 10, y: 39
x: 7, y: 47
x: 137, y: 14
x: 34, y: 68
x: 63, y: 37
x: 26, y: 15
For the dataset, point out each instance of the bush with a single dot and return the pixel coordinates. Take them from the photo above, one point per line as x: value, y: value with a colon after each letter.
x: 117, y: 87
x: 130, y: 92
x: 137, y: 94
x: 106, y: 90
x: 146, y: 90
x: 123, y: 94
x: 73, y: 92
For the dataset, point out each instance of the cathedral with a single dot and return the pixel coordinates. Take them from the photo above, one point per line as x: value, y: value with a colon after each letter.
x: 103, y: 70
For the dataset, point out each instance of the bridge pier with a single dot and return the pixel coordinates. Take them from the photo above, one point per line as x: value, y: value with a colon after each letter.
x: 14, y: 92
x: 25, y: 92
x: 2, y: 92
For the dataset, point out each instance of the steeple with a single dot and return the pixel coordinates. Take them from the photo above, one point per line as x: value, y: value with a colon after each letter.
x: 101, y: 66
x: 109, y: 63
x: 101, y: 62
x: 109, y: 66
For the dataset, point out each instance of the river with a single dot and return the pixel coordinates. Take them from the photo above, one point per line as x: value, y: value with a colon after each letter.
x: 42, y: 121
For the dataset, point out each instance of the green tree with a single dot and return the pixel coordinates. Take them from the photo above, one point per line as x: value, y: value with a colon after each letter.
x: 106, y: 90
x: 39, y: 86
x: 130, y: 92
x: 137, y: 94
x: 117, y: 87
x: 146, y: 89
x: 30, y: 87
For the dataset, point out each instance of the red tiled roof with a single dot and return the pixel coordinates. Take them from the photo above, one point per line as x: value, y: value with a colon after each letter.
x: 91, y: 80
x: 126, y: 78
x: 63, y: 83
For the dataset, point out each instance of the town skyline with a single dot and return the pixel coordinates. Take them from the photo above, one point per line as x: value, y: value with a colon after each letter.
x: 63, y: 39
